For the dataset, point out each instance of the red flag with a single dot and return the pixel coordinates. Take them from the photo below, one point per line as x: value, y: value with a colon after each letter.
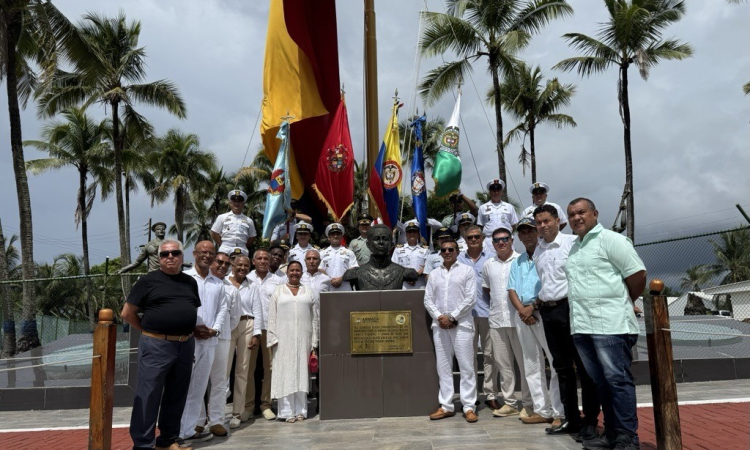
x: 334, y: 180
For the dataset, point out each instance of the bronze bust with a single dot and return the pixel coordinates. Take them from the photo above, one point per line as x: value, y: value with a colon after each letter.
x: 380, y: 273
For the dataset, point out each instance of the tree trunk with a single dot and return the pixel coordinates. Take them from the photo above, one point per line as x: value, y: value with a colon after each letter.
x: 124, y: 249
x: 180, y: 205
x: 533, y: 153
x: 29, y: 335
x: 85, y: 243
x: 9, y: 321
x: 127, y: 212
x: 498, y: 123
x: 630, y: 224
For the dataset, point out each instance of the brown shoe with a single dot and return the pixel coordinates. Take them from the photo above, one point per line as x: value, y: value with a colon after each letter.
x: 493, y: 404
x: 441, y: 414
x: 535, y: 418
x: 174, y: 446
x: 556, y: 423
x: 471, y: 416
x: 218, y: 430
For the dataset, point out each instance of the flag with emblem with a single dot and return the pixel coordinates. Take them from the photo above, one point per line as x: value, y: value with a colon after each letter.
x: 279, y: 196
x: 334, y: 180
x: 447, y: 168
x: 386, y: 174
x: 418, y: 188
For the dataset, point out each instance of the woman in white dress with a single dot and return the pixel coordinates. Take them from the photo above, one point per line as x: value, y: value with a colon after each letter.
x: 292, y: 335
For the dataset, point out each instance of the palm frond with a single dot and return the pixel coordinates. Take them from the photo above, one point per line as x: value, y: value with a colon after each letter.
x: 442, y: 79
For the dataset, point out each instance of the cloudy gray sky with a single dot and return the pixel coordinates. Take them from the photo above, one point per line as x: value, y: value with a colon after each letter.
x: 689, y: 121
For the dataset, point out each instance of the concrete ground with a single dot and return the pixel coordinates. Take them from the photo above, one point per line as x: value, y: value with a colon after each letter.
x: 713, y: 415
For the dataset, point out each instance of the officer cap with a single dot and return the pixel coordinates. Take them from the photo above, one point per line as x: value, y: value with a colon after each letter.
x: 443, y: 232
x: 496, y: 182
x: 304, y: 227
x: 237, y: 193
x: 153, y: 226
x: 539, y: 186
x: 412, y: 226
x: 334, y: 227
x: 463, y: 218
x: 364, y: 219
x: 284, y: 244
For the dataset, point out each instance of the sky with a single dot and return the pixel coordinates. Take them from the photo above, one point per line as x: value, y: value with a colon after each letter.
x: 689, y: 120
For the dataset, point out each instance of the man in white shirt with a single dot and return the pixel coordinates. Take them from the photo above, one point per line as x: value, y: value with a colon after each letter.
x: 449, y: 298
x: 212, y: 313
x: 337, y: 259
x: 496, y: 213
x: 505, y: 344
x: 266, y: 283
x: 314, y: 278
x: 434, y: 260
x: 245, y: 336
x: 302, y: 234
x: 234, y: 229
x: 412, y: 255
x: 550, y: 257
x: 538, y: 198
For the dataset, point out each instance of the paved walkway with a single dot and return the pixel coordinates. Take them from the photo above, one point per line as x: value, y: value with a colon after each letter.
x: 715, y: 415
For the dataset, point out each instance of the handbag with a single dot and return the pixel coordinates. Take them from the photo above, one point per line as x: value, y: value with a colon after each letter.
x: 312, y: 362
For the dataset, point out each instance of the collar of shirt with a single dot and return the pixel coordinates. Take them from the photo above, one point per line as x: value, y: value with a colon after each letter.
x: 555, y: 243
x: 211, y: 277
x: 510, y: 259
x: 590, y: 235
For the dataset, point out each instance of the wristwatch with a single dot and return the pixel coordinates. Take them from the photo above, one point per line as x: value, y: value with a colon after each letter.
x: 217, y: 332
x: 536, y: 306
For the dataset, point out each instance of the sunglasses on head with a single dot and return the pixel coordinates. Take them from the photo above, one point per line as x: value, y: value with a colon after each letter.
x: 501, y: 239
x: 447, y: 250
x: 168, y: 253
x: 474, y: 236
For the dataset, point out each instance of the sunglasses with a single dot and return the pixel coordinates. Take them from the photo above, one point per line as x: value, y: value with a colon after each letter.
x: 237, y: 199
x: 496, y: 188
x: 220, y: 262
x: 168, y: 253
x: 474, y: 236
x: 447, y: 250
x: 501, y: 239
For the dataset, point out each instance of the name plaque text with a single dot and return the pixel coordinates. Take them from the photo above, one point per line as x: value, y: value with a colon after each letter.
x: 377, y: 332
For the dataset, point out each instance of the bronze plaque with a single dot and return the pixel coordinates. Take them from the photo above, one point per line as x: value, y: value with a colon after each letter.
x: 377, y: 332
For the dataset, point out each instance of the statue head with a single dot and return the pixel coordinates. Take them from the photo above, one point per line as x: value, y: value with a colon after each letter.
x: 379, y: 240
x: 159, y: 229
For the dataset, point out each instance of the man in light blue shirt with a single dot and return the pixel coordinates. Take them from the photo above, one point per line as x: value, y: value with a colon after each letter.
x: 523, y: 291
x: 605, y: 275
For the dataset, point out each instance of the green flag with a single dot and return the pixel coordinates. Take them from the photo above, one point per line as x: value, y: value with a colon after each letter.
x: 447, y: 169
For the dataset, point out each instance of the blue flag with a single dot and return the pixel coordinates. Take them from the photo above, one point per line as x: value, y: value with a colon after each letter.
x: 418, y: 188
x: 279, y: 196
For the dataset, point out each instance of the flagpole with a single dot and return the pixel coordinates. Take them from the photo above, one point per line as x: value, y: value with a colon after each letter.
x: 371, y: 94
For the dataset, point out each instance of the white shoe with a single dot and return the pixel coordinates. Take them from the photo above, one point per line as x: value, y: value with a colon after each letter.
x: 235, y: 421
x: 268, y: 414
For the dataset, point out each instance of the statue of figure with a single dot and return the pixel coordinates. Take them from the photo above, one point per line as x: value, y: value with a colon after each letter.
x: 380, y: 273
x: 150, y: 251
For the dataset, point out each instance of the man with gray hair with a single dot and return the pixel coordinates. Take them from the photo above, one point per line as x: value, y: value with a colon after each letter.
x: 169, y: 301
x: 314, y: 278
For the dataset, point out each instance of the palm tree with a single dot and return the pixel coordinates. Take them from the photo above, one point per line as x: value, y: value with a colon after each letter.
x: 197, y: 226
x: 732, y: 256
x: 217, y: 189
x: 62, y: 297
x: 695, y: 277
x: 180, y: 168
x: 532, y: 103
x: 473, y: 29
x: 746, y: 88
x: 9, y: 330
x: 32, y: 32
x: 82, y: 143
x: 111, y: 71
x: 633, y: 35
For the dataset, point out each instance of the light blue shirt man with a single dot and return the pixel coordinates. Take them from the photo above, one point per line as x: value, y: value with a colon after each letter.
x: 524, y: 279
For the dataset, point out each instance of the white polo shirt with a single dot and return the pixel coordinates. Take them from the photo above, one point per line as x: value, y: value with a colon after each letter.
x: 550, y: 259
x: 495, y: 275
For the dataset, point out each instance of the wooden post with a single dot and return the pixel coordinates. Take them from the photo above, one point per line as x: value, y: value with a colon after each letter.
x: 102, y: 382
x: 661, y: 366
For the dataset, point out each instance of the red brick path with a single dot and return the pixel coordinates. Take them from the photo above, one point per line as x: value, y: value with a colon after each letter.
x: 704, y: 427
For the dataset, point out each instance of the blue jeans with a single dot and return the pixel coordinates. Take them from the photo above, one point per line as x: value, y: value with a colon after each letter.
x: 607, y: 359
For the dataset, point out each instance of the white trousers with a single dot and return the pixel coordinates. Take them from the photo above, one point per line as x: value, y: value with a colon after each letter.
x: 240, y: 340
x: 482, y: 333
x: 204, y: 359
x: 547, y: 402
x: 458, y: 341
x: 293, y: 405
x: 217, y: 397
x: 505, y: 349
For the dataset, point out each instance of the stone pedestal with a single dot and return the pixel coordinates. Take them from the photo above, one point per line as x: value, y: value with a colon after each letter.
x: 371, y: 386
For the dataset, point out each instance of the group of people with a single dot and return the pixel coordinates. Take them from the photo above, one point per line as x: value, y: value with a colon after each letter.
x: 566, y: 298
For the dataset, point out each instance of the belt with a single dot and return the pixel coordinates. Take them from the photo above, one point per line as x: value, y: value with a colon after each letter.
x: 167, y: 337
x: 247, y: 317
x: 553, y: 303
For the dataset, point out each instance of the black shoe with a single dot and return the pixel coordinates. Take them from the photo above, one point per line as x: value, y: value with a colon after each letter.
x: 564, y: 428
x: 597, y: 443
x: 624, y: 442
x: 588, y: 432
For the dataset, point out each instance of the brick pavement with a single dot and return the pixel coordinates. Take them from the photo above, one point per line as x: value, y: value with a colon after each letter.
x: 704, y: 427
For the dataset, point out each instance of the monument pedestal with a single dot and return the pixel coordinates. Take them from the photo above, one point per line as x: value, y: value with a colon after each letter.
x: 379, y: 385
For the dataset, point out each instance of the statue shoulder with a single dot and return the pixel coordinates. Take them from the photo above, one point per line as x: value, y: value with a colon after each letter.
x: 410, y: 274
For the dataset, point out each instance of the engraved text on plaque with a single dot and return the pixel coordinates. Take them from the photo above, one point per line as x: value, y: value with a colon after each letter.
x: 375, y: 332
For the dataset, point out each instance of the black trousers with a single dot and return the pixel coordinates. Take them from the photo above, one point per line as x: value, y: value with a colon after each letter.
x: 164, y: 369
x: 556, y: 321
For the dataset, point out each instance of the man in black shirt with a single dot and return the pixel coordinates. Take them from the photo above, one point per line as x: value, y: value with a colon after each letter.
x: 169, y: 302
